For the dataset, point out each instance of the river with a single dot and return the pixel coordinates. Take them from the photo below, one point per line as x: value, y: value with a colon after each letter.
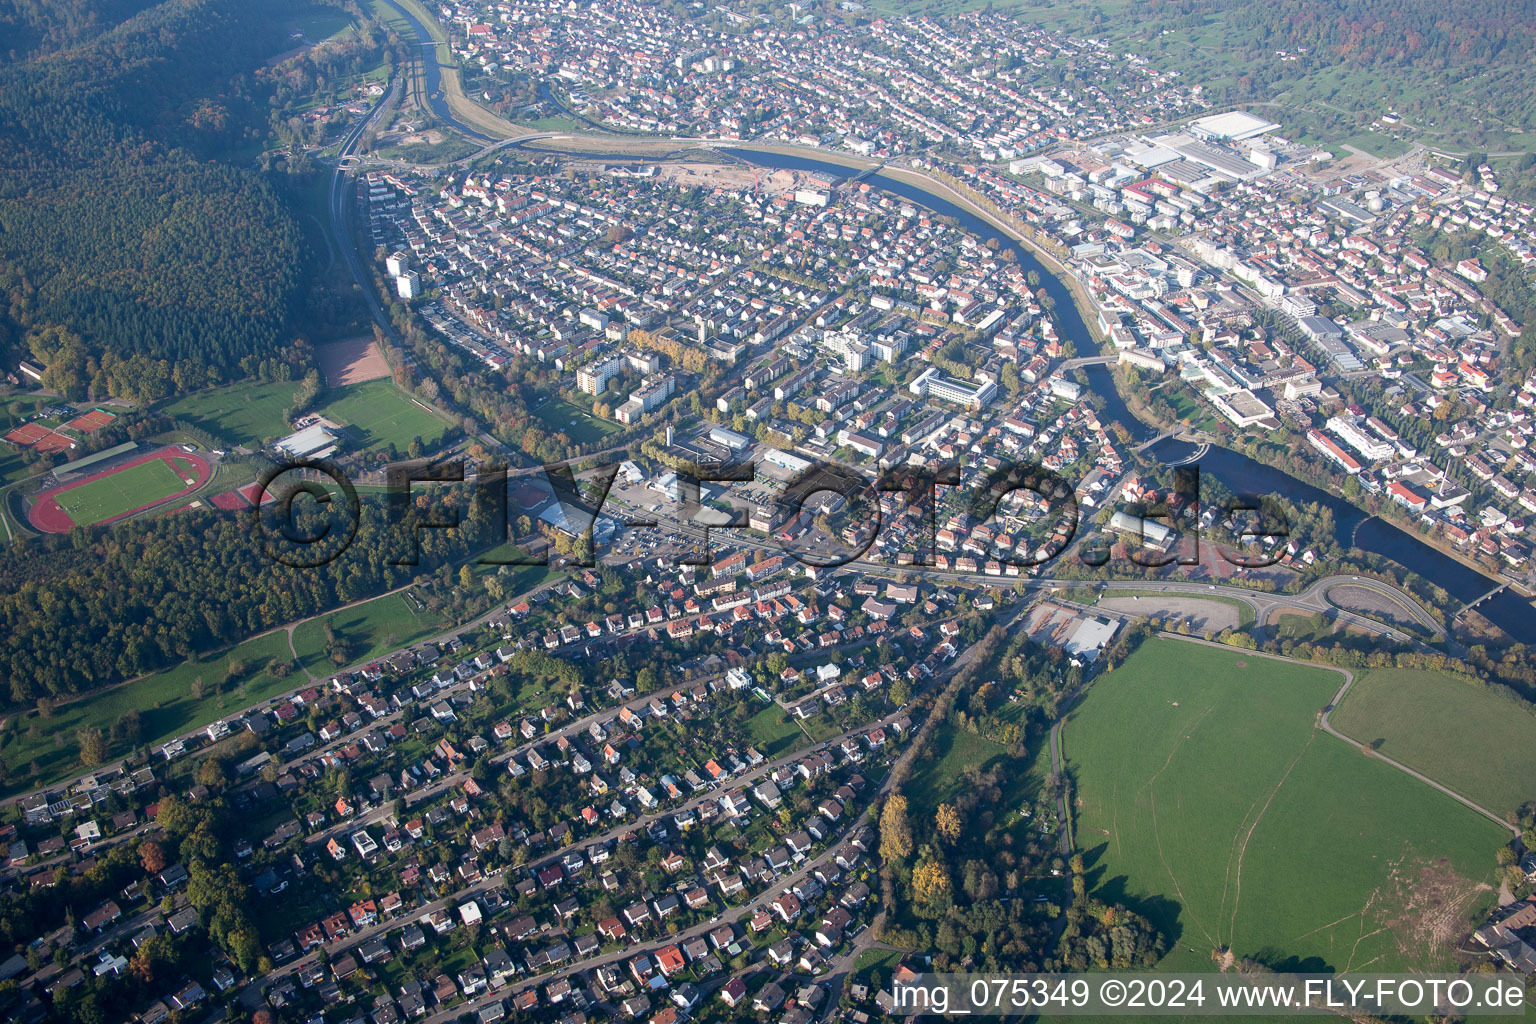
x: 432, y: 75
x: 1510, y: 612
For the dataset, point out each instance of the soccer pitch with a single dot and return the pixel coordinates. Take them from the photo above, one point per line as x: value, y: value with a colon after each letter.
x: 382, y: 415
x: 98, y: 500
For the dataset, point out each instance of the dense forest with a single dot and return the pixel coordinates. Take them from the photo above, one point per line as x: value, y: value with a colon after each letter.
x: 125, y: 602
x: 33, y: 27
x: 124, y: 214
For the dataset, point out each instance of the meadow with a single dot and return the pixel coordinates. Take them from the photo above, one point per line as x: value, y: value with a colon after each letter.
x: 1476, y: 741
x: 1208, y: 800
x: 231, y: 680
x: 772, y: 732
x: 579, y: 425
x: 369, y: 630
x: 938, y: 781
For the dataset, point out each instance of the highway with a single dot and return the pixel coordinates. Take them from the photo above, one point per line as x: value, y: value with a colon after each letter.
x: 340, y: 203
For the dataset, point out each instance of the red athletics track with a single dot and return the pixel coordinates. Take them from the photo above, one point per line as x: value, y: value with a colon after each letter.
x: 48, y: 516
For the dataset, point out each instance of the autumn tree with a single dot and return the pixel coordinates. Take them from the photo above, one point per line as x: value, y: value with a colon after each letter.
x: 210, y: 773
x: 93, y: 747
x: 152, y: 856
x: 895, y: 830
x: 947, y: 820
x: 930, y: 882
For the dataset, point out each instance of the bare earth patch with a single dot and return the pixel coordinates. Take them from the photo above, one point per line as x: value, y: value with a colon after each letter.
x: 1200, y: 615
x: 1426, y: 905
x: 731, y: 177
x: 1365, y: 601
x: 351, y: 361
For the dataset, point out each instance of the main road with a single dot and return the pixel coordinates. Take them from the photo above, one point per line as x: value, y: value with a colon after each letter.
x: 339, y: 202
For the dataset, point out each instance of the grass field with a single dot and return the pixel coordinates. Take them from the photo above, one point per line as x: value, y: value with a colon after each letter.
x: 370, y: 629
x: 1295, y: 626
x: 772, y: 732
x: 382, y: 415
x: 163, y: 700
x: 1208, y: 800
x: 123, y: 491
x: 247, y: 413
x: 1477, y: 742
x: 577, y: 424
x: 320, y: 23
x: 12, y: 467
x: 1379, y: 145
x: 939, y: 780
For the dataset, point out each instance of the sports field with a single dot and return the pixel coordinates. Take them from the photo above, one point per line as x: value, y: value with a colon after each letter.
x: 114, y: 493
x: 247, y: 413
x: 380, y: 414
x: 1479, y: 743
x: 1208, y: 800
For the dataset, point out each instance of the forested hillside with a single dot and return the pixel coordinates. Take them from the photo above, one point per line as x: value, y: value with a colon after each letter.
x: 128, y: 212
x: 1423, y: 33
x: 1460, y: 74
x: 30, y: 27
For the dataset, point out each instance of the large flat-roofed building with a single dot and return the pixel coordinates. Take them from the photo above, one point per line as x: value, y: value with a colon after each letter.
x: 947, y: 389
x: 1348, y: 432
x: 1233, y: 126
x: 1323, y: 443
x: 1242, y: 407
x: 1153, y: 534
x: 593, y: 378
x: 1219, y: 158
x: 1089, y: 638
x: 1342, y: 208
x: 647, y: 397
x: 785, y: 461
x: 730, y: 438
x: 313, y: 442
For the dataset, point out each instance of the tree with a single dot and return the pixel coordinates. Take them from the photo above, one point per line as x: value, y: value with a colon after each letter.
x: 930, y: 882
x: 152, y: 856
x: 895, y: 831
x: 210, y: 773
x: 947, y: 820
x: 93, y: 747
x: 467, y: 578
